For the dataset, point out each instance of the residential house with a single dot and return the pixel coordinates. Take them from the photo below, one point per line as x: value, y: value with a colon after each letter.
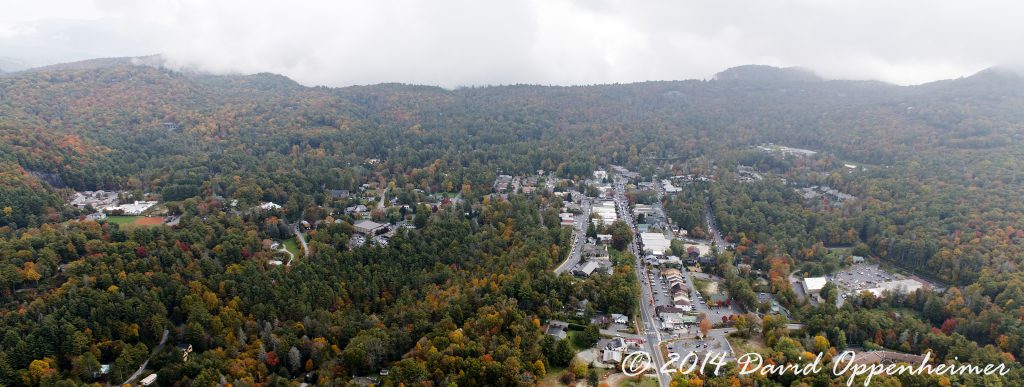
x: 340, y: 194
x: 586, y: 269
x: 558, y: 330
x: 620, y: 318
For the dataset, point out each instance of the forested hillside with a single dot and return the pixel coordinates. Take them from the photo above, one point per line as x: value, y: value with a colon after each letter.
x: 460, y: 298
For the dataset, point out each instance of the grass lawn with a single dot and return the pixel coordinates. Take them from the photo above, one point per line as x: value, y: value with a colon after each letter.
x: 122, y: 219
x: 752, y: 345
x: 642, y: 382
x: 136, y: 221
x: 552, y: 376
x: 701, y: 285
x: 292, y: 245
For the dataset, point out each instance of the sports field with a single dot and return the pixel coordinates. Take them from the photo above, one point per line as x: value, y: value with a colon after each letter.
x: 143, y: 221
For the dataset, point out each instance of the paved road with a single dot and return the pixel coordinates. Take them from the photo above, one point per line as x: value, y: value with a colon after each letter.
x: 649, y: 327
x: 712, y: 223
x: 142, y: 368
x: 291, y: 256
x: 624, y: 335
x: 383, y: 196
x: 302, y: 240
x: 579, y: 238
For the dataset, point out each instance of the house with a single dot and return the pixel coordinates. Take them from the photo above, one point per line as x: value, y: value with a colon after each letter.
x: 148, y: 381
x: 305, y: 225
x: 502, y: 182
x: 356, y: 209
x: 340, y: 194
x: 368, y: 227
x: 604, y: 238
x: 586, y: 270
x: 185, y: 349
x: 620, y: 318
x: 611, y: 356
x: 857, y: 259
x: 104, y: 369
x: 600, y: 174
x: 558, y: 329
x: 96, y: 216
x: 269, y: 206
x: 595, y: 252
x: 617, y: 344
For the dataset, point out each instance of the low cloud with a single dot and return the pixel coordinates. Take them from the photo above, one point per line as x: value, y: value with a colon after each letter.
x: 463, y: 43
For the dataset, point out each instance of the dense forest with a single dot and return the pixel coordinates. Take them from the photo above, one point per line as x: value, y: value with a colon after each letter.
x: 460, y: 298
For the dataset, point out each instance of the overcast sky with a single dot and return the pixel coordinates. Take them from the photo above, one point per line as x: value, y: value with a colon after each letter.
x: 462, y: 43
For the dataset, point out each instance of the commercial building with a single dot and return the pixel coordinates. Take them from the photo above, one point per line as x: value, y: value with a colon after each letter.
x: 904, y: 286
x: 368, y: 227
x: 655, y: 242
x: 135, y: 208
x: 813, y: 286
x: 96, y: 199
x: 605, y: 212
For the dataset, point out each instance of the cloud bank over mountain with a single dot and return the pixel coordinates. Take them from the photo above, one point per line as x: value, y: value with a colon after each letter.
x: 463, y: 43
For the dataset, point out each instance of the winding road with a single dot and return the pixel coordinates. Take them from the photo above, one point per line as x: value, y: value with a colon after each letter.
x: 142, y: 368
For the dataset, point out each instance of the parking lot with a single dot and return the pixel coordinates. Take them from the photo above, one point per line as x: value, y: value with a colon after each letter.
x: 862, y: 276
x: 715, y: 343
x: 662, y: 293
x: 663, y: 296
x: 714, y: 313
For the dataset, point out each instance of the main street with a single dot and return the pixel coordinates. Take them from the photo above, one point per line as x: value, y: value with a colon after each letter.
x: 579, y: 237
x: 712, y: 223
x: 649, y: 327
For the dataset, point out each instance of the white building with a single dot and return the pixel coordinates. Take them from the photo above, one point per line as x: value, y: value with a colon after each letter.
x: 149, y: 380
x: 903, y: 286
x: 600, y: 174
x: 620, y: 318
x: 587, y: 269
x: 655, y: 242
x: 605, y: 211
x: 813, y: 285
x: 135, y: 208
x: 269, y: 206
x: 669, y: 188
